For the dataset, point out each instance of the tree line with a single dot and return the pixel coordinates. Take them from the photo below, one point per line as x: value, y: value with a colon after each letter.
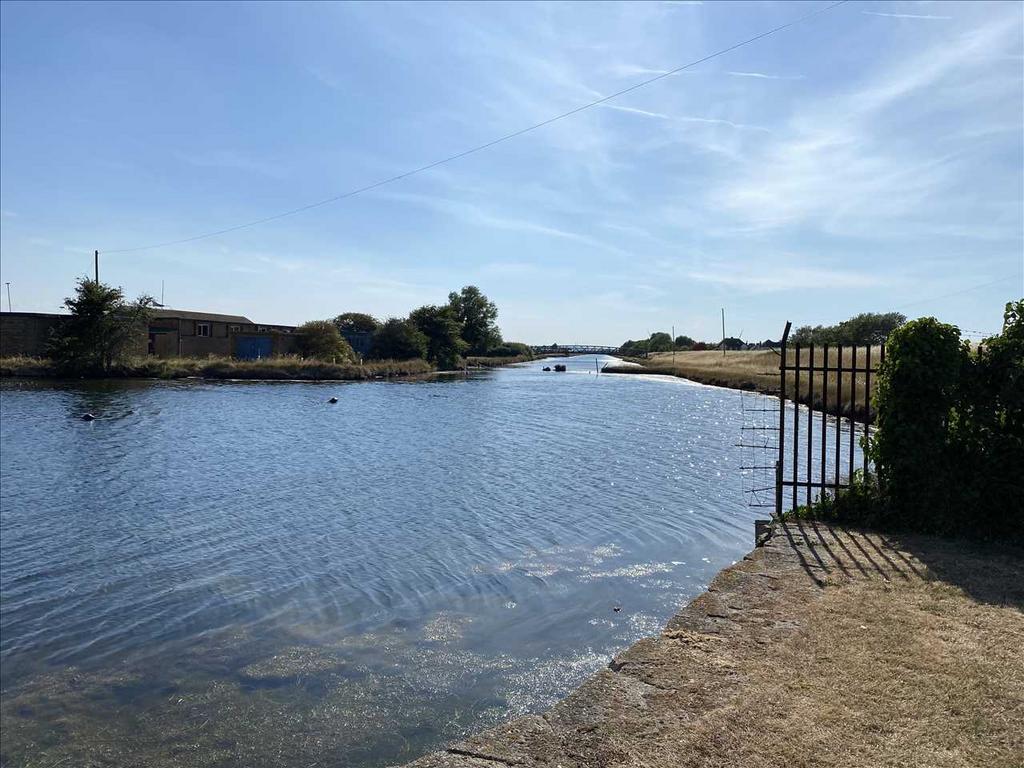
x: 104, y: 329
x: 867, y: 328
x: 443, y: 334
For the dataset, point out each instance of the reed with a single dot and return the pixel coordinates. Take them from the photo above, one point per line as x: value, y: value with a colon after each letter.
x: 276, y: 368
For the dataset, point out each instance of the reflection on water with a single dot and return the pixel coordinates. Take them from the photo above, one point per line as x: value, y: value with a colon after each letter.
x: 243, y: 574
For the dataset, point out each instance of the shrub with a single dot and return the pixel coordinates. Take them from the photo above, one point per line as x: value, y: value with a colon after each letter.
x: 398, y: 340
x: 918, y: 388
x: 321, y: 340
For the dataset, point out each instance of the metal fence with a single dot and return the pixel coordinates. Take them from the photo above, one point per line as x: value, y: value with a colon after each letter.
x: 818, y: 377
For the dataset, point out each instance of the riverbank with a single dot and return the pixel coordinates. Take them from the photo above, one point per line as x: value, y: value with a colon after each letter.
x: 826, y: 646
x: 497, y: 362
x: 277, y: 368
x: 758, y: 370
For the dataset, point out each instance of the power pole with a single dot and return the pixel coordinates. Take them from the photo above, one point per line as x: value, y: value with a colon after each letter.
x: 673, y: 345
x: 723, y: 331
x: 96, y: 258
x: 10, y: 307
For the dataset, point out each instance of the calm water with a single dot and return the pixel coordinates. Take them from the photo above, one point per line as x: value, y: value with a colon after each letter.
x: 243, y: 574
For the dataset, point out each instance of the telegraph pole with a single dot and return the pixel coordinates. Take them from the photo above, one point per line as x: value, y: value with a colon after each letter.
x: 10, y: 307
x: 673, y: 345
x: 723, y: 331
x: 96, y: 258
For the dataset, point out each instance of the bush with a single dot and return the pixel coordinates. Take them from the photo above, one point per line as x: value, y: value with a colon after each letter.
x: 321, y: 340
x: 511, y: 349
x: 398, y: 340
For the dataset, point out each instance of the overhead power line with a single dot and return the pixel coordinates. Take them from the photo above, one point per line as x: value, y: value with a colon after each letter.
x: 499, y: 140
x: 964, y: 290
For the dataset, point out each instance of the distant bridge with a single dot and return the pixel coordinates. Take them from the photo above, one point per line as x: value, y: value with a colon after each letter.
x: 575, y: 349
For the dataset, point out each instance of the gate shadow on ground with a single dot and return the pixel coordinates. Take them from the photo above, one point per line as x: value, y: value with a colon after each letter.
x: 989, y: 573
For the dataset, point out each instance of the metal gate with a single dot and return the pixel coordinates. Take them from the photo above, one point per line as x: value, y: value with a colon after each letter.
x: 805, y: 376
x: 253, y: 347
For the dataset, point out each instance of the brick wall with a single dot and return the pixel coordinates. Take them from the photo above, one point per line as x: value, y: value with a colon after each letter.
x: 26, y: 333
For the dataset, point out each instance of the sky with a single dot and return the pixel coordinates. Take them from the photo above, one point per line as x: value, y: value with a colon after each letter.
x: 870, y: 158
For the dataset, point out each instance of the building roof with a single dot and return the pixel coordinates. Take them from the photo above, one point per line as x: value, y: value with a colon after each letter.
x: 184, y: 314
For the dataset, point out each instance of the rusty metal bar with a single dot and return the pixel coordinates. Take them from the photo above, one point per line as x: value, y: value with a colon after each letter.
x: 839, y: 412
x: 796, y: 424
x: 824, y: 415
x: 810, y: 426
x: 853, y: 406
x: 867, y: 409
x: 782, y: 423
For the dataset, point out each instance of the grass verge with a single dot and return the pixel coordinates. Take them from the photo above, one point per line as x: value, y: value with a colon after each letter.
x: 758, y: 370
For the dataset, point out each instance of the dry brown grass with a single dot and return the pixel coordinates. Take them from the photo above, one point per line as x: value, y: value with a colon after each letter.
x: 759, y: 370
x: 274, y: 368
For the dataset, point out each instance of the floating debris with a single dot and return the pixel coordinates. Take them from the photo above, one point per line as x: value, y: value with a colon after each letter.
x: 88, y: 417
x: 333, y: 400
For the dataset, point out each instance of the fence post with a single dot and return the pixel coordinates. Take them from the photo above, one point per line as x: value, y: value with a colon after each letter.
x: 780, y: 462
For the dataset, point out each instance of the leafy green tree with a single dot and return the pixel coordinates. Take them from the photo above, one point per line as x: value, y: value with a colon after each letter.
x: 321, y: 340
x: 445, y: 345
x: 867, y: 328
x: 103, y: 329
x: 633, y: 348
x: 356, y: 321
x: 684, y: 342
x: 478, y: 317
x: 659, y: 342
x: 398, y: 339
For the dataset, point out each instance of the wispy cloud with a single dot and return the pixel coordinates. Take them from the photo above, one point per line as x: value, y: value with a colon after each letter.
x: 843, y: 165
x: 765, y: 76
x: 907, y: 15
x: 685, y: 118
x: 773, y: 278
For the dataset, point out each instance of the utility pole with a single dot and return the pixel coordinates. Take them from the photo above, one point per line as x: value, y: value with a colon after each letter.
x: 96, y: 258
x: 673, y: 345
x: 10, y: 307
x: 723, y: 331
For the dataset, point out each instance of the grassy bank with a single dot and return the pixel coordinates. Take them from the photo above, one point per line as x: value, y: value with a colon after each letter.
x: 280, y: 368
x: 497, y: 362
x: 759, y: 371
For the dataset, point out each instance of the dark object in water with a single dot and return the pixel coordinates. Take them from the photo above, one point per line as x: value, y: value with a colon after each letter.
x: 88, y: 417
x: 560, y: 368
x: 546, y: 368
x: 333, y: 400
x: 617, y: 608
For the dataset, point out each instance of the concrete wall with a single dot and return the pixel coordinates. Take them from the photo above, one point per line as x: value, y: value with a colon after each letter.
x: 26, y: 333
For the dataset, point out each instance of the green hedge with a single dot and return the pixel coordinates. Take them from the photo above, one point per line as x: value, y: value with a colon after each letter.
x: 949, y: 445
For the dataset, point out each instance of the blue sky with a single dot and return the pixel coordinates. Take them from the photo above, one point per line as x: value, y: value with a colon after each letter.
x: 869, y: 158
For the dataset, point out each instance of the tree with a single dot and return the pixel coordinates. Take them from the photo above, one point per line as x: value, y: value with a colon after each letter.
x: 478, y: 317
x: 867, y: 328
x: 732, y: 343
x: 445, y: 345
x: 684, y: 342
x: 103, y: 329
x: 321, y: 340
x: 356, y: 321
x: 659, y: 342
x: 398, y: 339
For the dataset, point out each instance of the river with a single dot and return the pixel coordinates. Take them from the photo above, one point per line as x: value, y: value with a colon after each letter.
x: 246, y: 574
